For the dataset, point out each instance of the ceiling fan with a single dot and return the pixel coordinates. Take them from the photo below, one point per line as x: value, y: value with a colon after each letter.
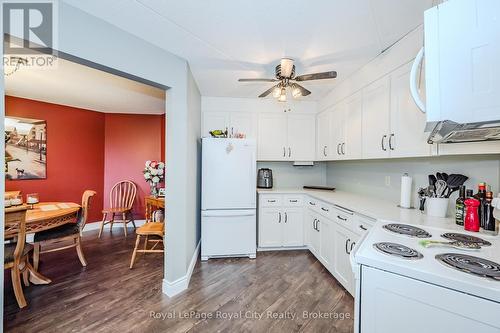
x: 285, y: 76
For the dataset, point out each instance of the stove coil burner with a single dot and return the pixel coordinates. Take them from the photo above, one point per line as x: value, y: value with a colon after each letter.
x: 465, y: 238
x: 407, y: 230
x: 472, y: 265
x: 398, y: 250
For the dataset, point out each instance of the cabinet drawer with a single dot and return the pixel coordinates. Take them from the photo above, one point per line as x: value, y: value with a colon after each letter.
x: 271, y: 201
x: 363, y: 225
x: 312, y: 204
x: 325, y: 209
x: 292, y: 201
x: 345, y: 218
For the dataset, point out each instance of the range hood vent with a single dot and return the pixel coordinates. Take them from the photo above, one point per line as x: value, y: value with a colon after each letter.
x: 451, y: 132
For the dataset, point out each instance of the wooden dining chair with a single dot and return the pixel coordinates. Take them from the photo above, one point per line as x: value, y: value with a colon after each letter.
x: 16, y: 253
x: 59, y: 237
x: 153, y: 232
x: 121, y: 200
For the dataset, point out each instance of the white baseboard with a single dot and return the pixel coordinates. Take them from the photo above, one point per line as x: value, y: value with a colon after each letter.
x: 173, y: 288
x: 97, y: 225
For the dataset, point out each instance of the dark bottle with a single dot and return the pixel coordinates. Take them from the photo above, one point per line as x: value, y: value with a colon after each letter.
x: 469, y: 194
x: 460, y: 207
x: 481, y: 197
x: 488, y: 218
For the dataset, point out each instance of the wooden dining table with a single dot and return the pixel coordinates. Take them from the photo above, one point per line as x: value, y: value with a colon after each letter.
x: 48, y: 215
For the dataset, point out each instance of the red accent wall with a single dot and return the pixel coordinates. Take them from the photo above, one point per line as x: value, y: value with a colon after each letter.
x: 75, y: 152
x: 131, y: 140
x: 90, y: 150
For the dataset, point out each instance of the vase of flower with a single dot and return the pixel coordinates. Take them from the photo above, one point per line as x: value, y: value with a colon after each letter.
x: 154, y: 172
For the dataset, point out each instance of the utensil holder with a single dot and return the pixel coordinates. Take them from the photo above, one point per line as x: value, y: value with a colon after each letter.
x: 437, y: 207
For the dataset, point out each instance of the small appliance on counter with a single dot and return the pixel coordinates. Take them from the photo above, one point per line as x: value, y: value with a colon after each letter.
x: 265, y: 178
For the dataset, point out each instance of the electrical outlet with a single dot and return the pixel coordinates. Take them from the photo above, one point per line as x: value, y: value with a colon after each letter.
x: 387, y: 181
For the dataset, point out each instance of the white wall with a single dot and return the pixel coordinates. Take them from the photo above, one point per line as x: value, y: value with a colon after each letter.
x: 285, y: 175
x: 368, y: 177
x: 255, y: 105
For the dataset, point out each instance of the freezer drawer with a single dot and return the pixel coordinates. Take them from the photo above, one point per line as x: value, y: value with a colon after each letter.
x: 228, y: 233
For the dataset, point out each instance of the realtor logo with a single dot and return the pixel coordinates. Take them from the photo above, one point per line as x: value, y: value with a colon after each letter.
x: 29, y: 27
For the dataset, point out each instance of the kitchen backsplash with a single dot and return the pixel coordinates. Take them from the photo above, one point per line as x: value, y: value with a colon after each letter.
x: 369, y: 177
x: 285, y: 175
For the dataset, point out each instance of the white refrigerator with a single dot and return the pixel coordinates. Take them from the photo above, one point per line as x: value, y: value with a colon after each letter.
x: 228, y: 198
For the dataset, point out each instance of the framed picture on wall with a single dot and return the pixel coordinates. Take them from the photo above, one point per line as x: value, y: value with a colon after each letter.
x: 25, y: 148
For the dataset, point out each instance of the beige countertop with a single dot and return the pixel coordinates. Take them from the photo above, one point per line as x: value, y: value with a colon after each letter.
x: 376, y: 208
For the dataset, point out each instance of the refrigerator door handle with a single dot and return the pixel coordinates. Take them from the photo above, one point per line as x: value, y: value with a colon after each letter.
x: 224, y: 213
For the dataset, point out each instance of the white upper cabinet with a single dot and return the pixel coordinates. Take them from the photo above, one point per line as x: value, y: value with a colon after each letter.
x: 286, y: 137
x: 408, y: 137
x: 462, y: 52
x: 337, y: 133
x: 272, y: 137
x: 233, y: 122
x: 323, y: 132
x: 353, y: 124
x: 301, y: 141
x: 376, y: 119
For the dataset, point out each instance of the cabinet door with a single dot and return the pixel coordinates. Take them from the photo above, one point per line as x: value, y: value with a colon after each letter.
x: 343, y: 245
x: 326, y: 242
x: 270, y: 234
x: 323, y: 142
x: 272, y: 137
x: 337, y: 133
x: 213, y: 120
x: 301, y: 137
x: 313, y: 234
x: 293, y: 234
x: 376, y: 121
x: 462, y: 48
x: 242, y: 122
x: 353, y: 123
x: 408, y: 138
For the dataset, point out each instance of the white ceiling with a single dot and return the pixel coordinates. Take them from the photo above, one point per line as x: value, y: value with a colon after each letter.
x: 224, y: 40
x: 72, y: 84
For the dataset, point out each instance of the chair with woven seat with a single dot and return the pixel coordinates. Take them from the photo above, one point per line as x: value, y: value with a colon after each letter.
x: 121, y: 200
x: 67, y: 235
x: 153, y: 230
x: 16, y: 253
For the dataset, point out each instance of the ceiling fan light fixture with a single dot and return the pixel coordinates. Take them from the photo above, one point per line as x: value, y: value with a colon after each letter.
x: 296, y: 93
x: 282, y: 97
x: 276, y: 92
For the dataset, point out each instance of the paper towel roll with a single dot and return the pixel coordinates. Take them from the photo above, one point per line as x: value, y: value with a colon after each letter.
x: 406, y: 184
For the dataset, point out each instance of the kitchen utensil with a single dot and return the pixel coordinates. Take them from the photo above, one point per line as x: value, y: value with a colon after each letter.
x: 439, y: 176
x: 470, y: 246
x: 456, y: 180
x: 445, y: 176
x: 432, y: 180
x: 431, y: 191
x: 422, y: 196
x: 441, y: 188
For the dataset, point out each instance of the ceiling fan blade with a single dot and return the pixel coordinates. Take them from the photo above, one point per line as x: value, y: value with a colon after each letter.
x: 317, y: 76
x: 303, y: 91
x: 257, y: 80
x: 267, y: 92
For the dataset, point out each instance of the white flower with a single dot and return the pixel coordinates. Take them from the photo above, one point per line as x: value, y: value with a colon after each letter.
x: 147, y: 175
x: 154, y: 172
x: 156, y: 179
x: 148, y: 163
x: 161, y: 165
x: 160, y: 172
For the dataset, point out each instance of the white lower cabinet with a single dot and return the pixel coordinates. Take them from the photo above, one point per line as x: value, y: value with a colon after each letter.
x: 281, y: 222
x: 325, y: 228
x: 344, y: 242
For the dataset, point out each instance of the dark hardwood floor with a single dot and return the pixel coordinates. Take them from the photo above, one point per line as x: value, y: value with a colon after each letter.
x: 109, y: 297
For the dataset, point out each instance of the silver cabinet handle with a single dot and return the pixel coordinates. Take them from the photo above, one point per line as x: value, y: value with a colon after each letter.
x: 271, y: 200
x: 346, y: 245
x: 286, y: 217
x: 390, y: 142
x: 338, y: 149
x: 312, y: 203
x: 317, y: 226
x: 314, y: 224
x: 325, y: 209
x: 284, y: 152
x: 341, y: 218
x: 383, y: 143
x: 342, y: 149
x: 324, y: 150
x: 352, y: 246
x: 289, y: 152
x: 232, y: 131
x: 279, y: 220
x: 293, y: 200
x: 362, y: 227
